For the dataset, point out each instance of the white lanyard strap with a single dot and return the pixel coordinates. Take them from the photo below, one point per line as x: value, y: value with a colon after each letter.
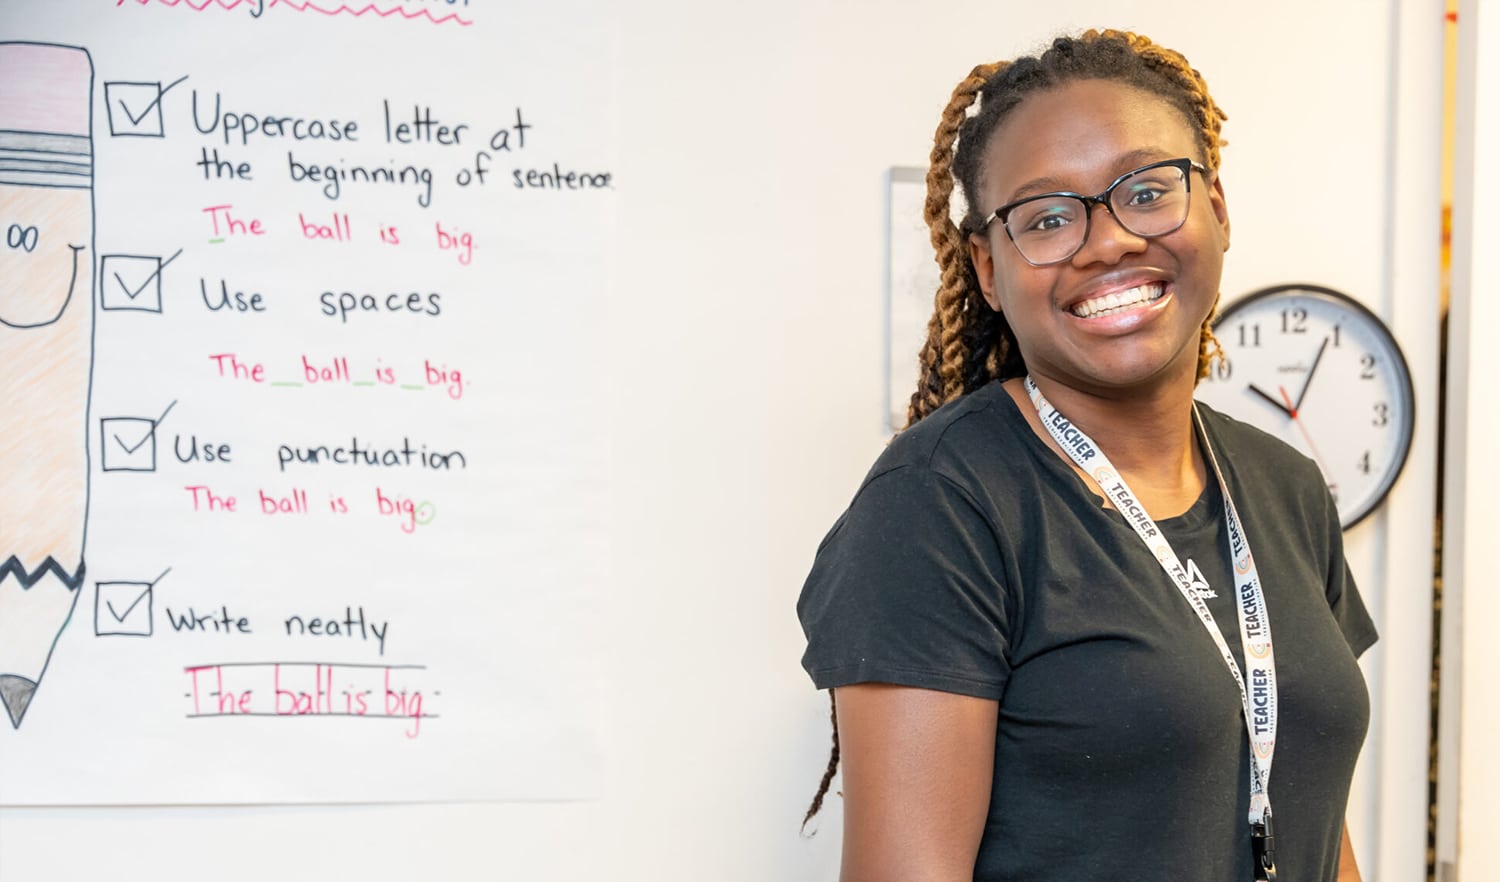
x: 1259, y: 700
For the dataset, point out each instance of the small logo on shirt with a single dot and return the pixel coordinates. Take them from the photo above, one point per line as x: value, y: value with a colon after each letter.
x: 1199, y: 587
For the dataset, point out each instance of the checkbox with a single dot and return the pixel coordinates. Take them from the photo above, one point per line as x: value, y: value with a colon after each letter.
x: 128, y: 443
x: 122, y: 609
x: 132, y: 281
x: 135, y: 108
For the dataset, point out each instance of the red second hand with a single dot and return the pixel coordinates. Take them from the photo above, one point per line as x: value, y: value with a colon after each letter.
x: 1305, y: 436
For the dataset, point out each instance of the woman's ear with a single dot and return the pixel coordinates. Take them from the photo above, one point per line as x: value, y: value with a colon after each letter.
x: 984, y: 268
x: 1220, y: 207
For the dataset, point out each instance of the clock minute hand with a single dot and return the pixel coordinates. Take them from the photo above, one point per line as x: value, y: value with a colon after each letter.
x: 1274, y: 402
x: 1310, y: 371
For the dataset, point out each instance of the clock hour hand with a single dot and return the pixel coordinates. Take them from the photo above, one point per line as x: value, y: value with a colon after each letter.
x: 1272, y: 400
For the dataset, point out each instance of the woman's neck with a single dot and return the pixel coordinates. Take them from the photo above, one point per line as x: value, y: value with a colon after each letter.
x: 1148, y: 437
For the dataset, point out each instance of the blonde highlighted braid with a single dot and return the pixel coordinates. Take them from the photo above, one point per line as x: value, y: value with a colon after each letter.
x: 946, y: 352
x: 968, y: 343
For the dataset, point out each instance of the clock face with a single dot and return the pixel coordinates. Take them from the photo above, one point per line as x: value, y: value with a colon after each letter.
x: 1322, y: 373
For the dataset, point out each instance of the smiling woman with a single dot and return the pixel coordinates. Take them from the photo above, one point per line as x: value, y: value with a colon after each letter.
x: 1042, y: 609
x: 1169, y: 262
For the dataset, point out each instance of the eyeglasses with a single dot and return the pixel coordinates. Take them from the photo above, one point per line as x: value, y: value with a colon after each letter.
x: 1050, y: 228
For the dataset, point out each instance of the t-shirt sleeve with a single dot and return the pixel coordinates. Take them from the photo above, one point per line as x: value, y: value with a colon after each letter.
x: 1343, y: 596
x: 907, y: 589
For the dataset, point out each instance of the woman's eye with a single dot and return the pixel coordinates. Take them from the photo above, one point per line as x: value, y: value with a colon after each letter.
x: 1046, y: 219
x: 1145, y: 195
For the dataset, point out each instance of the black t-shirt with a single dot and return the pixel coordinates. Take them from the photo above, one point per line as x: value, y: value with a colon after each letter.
x: 974, y: 560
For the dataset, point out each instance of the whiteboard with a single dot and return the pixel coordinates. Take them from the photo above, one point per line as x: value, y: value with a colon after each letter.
x: 302, y: 464
x: 745, y: 355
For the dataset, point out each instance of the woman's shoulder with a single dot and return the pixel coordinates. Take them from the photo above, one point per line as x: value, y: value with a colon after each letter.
x: 1269, y: 474
x: 1250, y: 447
x: 968, y: 465
x: 955, y: 434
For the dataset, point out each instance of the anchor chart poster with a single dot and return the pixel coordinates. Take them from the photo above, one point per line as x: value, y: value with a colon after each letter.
x: 303, y: 467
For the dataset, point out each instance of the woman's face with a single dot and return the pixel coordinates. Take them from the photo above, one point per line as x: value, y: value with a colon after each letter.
x: 1080, y: 137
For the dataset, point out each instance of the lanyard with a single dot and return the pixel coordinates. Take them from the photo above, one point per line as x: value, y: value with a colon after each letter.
x: 1259, y: 700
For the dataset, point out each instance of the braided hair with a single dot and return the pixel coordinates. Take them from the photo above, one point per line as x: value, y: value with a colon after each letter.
x: 969, y: 344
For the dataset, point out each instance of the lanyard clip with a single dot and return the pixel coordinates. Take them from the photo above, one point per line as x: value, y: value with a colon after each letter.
x: 1263, y: 847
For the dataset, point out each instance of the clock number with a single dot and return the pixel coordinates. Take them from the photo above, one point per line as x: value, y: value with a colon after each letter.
x: 1294, y: 321
x: 1382, y: 414
x: 1249, y: 339
x: 1364, y: 463
x: 1336, y: 330
x: 1221, y: 369
x: 1367, y: 367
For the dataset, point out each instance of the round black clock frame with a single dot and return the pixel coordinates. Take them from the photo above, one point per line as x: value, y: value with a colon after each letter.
x: 1340, y: 301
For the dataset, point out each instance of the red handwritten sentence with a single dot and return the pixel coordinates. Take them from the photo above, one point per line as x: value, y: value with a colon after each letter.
x: 310, y: 689
x: 292, y: 504
x: 228, y: 223
x: 336, y: 370
x: 257, y: 8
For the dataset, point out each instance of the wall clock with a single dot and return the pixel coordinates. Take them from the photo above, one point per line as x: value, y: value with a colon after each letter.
x: 1321, y: 372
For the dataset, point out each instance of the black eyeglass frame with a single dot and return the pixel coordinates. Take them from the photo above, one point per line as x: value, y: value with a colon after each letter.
x: 1184, y: 165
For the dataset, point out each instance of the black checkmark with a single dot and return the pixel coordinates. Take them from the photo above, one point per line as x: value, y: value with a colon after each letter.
x: 147, y: 437
x: 160, y: 265
x: 160, y: 92
x: 137, y: 446
x: 120, y: 616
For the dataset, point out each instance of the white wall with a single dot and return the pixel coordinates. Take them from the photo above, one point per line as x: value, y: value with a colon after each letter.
x: 748, y: 397
x: 1468, y: 809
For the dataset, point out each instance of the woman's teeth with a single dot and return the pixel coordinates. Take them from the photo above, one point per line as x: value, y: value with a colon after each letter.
x: 1119, y: 300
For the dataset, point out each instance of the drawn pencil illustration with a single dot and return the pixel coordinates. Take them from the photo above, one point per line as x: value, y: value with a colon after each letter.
x: 46, y: 351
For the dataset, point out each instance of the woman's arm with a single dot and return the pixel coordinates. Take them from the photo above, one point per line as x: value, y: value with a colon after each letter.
x: 917, y: 771
x: 1348, y: 869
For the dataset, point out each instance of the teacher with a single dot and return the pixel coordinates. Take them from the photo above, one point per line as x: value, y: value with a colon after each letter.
x: 1047, y: 617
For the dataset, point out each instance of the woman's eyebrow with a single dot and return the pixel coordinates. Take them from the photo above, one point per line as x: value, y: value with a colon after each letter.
x: 1124, y: 163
